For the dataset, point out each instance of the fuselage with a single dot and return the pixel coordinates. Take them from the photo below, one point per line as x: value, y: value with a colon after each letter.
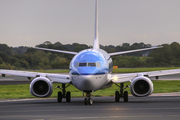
x: 90, y: 69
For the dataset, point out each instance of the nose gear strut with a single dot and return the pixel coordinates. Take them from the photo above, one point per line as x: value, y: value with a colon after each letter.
x: 88, y: 100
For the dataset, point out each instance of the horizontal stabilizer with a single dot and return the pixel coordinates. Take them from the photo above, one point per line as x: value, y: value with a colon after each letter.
x: 131, y: 51
x: 52, y: 50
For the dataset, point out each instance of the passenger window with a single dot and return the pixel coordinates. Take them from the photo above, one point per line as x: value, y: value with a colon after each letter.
x: 92, y: 64
x: 82, y: 64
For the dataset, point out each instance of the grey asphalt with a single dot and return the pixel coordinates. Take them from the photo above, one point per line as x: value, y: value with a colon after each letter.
x: 104, y: 108
x: 158, y: 107
x: 13, y: 80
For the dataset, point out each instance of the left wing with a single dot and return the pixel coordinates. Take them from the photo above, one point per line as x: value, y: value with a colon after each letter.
x: 53, y: 77
x: 121, y: 78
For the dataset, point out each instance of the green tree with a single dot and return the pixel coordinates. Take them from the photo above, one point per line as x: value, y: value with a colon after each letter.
x: 4, y: 57
x: 6, y: 49
x: 162, y: 56
x: 1, y: 60
x: 60, y: 62
x: 39, y: 59
x: 17, y: 65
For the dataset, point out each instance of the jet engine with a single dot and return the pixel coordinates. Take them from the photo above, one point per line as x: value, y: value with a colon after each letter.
x: 41, y: 87
x: 141, y: 86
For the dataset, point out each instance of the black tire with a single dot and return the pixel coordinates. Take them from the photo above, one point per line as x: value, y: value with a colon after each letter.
x: 117, y: 96
x: 86, y: 101
x: 90, y: 101
x: 125, y: 96
x: 68, y: 97
x: 59, y: 97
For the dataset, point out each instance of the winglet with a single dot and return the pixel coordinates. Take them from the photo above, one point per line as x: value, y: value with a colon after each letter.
x: 96, y: 36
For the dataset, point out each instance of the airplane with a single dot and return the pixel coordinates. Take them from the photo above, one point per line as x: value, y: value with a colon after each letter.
x: 91, y: 70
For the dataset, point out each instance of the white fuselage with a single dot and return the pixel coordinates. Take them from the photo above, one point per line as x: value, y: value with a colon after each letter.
x: 90, y: 69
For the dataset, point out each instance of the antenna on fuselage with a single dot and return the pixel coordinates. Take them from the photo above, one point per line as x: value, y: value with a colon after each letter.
x: 96, y: 36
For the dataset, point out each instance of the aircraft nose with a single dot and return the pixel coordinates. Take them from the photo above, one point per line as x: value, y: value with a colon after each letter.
x: 89, y: 82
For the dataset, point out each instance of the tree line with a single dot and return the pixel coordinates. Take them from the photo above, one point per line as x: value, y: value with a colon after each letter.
x: 30, y: 58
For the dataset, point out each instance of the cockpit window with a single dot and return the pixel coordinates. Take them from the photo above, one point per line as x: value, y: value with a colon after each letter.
x: 82, y: 64
x: 97, y: 64
x: 92, y: 64
x: 76, y: 65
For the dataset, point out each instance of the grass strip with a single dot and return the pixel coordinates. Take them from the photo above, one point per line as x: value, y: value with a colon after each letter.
x: 22, y: 91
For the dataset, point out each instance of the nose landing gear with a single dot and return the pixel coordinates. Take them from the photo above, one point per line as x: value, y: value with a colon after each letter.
x: 88, y: 100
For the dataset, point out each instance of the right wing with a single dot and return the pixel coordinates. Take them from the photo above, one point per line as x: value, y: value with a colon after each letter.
x: 161, y: 72
x: 121, y: 78
x: 60, y: 78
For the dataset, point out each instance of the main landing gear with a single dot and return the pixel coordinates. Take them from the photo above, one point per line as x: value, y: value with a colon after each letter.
x: 88, y: 100
x: 63, y: 94
x: 121, y: 94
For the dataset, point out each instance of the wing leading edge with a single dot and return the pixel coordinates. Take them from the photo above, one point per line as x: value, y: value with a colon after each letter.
x: 53, y: 77
x: 121, y: 78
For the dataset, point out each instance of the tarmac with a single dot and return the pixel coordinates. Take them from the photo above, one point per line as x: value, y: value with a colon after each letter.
x: 162, y: 107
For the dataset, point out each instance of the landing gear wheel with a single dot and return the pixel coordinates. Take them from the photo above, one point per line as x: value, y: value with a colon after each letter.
x: 125, y: 96
x: 86, y: 101
x: 59, y: 97
x: 68, y: 97
x: 117, y: 96
x: 121, y: 94
x: 90, y: 101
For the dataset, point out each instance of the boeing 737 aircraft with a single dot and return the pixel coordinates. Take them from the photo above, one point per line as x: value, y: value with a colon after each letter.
x: 91, y: 70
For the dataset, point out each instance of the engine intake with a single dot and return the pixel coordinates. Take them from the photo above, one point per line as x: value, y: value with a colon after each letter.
x: 141, y: 86
x: 41, y: 87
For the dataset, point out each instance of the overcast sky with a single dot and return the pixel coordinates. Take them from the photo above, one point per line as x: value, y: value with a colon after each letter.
x: 32, y: 22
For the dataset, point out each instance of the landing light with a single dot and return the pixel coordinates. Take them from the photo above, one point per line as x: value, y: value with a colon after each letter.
x: 115, y: 77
